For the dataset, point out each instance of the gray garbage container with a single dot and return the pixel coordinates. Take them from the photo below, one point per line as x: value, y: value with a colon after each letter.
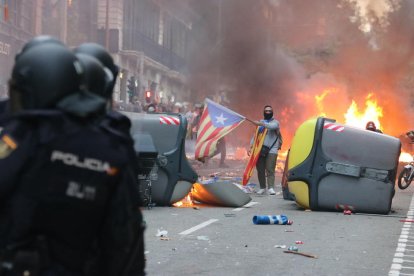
x: 336, y: 167
x: 172, y: 176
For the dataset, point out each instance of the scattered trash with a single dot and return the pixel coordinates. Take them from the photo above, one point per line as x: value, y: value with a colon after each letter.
x: 174, y: 249
x: 289, y: 231
x: 299, y: 242
x: 280, y: 246
x: 161, y: 233
x: 278, y: 219
x: 347, y: 212
x: 229, y: 215
x: 249, y: 188
x: 300, y: 253
x: 196, y: 208
x: 203, y: 238
x: 245, y: 245
x: 293, y: 248
x: 406, y: 220
x: 165, y: 238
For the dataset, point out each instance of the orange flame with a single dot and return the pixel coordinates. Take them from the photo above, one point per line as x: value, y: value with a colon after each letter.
x: 320, y: 99
x: 372, y: 112
x: 187, y: 201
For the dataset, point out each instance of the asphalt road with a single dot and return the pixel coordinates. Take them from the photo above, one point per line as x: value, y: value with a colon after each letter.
x: 211, y: 240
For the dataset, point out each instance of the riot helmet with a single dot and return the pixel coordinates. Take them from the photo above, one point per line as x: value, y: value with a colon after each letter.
x: 39, y: 40
x: 100, y: 53
x: 98, y: 78
x: 43, y: 75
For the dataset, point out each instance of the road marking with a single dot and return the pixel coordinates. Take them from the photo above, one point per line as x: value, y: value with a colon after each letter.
x: 197, y: 227
x: 250, y: 204
x: 402, y: 253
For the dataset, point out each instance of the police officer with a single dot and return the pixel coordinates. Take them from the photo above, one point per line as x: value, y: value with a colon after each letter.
x: 119, y: 124
x: 114, y: 119
x: 65, y: 183
x: 38, y: 40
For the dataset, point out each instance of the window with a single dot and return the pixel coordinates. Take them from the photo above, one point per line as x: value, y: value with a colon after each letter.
x: 27, y: 16
x: 178, y: 34
x: 167, y: 31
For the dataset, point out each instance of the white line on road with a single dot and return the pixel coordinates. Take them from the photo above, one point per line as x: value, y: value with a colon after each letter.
x: 250, y: 204
x: 405, y: 237
x: 197, y: 227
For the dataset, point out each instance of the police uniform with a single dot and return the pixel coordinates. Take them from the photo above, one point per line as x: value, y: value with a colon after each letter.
x: 70, y: 181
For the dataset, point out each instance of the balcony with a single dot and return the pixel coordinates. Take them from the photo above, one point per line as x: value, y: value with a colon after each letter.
x: 156, y: 52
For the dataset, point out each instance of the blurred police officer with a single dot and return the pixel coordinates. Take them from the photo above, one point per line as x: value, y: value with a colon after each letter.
x: 90, y: 54
x: 38, y: 40
x: 65, y: 184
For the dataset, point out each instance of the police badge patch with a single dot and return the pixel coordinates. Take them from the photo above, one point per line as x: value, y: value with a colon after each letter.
x: 7, y: 146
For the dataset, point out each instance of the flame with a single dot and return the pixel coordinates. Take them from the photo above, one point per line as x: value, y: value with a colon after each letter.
x: 187, y: 201
x: 240, y: 154
x: 405, y: 157
x: 372, y: 112
x: 320, y: 99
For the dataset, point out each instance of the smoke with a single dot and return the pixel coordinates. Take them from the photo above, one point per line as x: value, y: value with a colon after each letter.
x: 306, y: 59
x: 369, y: 12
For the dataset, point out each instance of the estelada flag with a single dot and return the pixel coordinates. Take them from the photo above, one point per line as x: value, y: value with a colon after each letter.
x: 259, y: 137
x: 216, y: 122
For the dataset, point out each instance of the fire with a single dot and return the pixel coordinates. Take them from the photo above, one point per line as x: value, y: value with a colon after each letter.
x: 372, y: 112
x: 187, y: 201
x: 240, y: 153
x: 405, y: 157
x: 320, y: 99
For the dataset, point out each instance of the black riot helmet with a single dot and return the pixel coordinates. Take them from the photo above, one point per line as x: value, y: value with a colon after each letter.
x: 101, y: 54
x: 98, y: 78
x: 39, y: 40
x: 43, y: 75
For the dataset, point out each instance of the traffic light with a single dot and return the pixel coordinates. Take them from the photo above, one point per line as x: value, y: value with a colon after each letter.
x: 148, y: 96
x: 131, y: 87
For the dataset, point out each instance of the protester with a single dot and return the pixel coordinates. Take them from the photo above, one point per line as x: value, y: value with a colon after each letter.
x: 372, y: 127
x: 65, y: 185
x: 222, y: 150
x: 151, y: 108
x: 272, y: 142
x: 196, y: 120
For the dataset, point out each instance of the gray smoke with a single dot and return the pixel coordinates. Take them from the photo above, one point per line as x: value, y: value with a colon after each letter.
x: 298, y: 50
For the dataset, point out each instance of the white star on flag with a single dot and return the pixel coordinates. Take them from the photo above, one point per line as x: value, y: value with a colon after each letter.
x: 220, y: 119
x: 216, y: 121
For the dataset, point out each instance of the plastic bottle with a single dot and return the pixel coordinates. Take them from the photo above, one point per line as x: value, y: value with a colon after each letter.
x: 278, y: 219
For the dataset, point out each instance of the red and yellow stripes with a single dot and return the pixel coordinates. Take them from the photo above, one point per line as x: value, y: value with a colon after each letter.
x: 254, y: 155
x: 207, y: 137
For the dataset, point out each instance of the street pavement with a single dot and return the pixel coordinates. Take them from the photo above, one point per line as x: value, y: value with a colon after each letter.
x: 212, y: 240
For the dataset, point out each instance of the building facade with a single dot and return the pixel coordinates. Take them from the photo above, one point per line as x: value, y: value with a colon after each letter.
x: 16, y: 27
x: 149, y: 40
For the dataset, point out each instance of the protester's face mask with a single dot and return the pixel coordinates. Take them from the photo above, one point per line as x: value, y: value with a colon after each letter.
x: 268, y: 114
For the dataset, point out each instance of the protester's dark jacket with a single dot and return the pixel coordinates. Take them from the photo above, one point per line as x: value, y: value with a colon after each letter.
x: 69, y: 180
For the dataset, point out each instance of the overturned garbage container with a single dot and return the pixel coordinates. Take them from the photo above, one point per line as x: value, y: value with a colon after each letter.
x: 172, y: 177
x: 339, y: 167
x: 147, y: 155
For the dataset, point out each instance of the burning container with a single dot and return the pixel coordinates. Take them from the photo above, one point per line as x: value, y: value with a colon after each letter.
x: 171, y: 177
x: 336, y: 167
